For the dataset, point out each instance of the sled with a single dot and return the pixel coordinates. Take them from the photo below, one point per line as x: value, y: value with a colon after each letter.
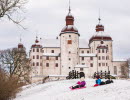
x: 77, y: 88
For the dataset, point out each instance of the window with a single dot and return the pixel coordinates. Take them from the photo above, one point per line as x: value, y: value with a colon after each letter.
x: 37, y: 56
x: 91, y: 64
x: 52, y: 51
x: 56, y: 64
x: 82, y: 51
x: 33, y: 64
x: 122, y: 70
x: 47, y: 64
x: 37, y: 63
x: 102, y: 50
x: 103, y: 58
x: 47, y: 58
x: 115, y: 70
x: 99, y: 58
x: 99, y: 64
x: 69, y: 67
x: 37, y: 49
x: 91, y: 58
x: 69, y: 35
x: 106, y: 57
x: 69, y: 41
x: 40, y: 57
x: 82, y: 58
x: 42, y: 51
x: 40, y: 64
x: 33, y: 57
x: 83, y: 63
x: 56, y: 58
x: 103, y: 64
x: 69, y: 58
x: 99, y: 51
x: 87, y: 51
x: 106, y: 64
x: 69, y: 52
x: 81, y: 69
x: 33, y: 50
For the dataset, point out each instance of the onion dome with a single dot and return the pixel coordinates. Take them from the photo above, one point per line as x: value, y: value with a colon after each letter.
x: 37, y: 44
x: 100, y: 34
x: 69, y: 28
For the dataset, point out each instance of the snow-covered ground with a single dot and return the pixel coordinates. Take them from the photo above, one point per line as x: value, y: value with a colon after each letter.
x: 59, y: 90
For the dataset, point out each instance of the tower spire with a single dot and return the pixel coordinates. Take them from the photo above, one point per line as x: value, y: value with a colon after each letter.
x: 69, y: 7
x: 99, y: 17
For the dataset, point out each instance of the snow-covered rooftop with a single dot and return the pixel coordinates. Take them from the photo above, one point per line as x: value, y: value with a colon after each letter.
x: 88, y: 55
x: 101, y: 33
x: 51, y: 54
x: 116, y: 60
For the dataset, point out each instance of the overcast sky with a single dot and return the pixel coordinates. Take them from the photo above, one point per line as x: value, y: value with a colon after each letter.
x: 47, y: 18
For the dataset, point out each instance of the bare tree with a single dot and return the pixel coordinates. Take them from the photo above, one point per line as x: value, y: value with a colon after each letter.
x: 16, y: 63
x: 9, y: 7
x: 125, y: 70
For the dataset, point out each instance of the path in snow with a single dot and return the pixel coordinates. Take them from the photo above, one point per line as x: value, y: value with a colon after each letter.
x: 59, y: 90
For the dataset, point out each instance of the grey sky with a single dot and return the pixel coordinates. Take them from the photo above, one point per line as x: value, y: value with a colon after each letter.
x: 47, y: 18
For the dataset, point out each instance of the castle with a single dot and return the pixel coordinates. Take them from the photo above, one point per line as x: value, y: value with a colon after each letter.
x: 61, y: 55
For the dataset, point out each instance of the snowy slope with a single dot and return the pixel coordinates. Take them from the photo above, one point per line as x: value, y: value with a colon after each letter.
x: 59, y: 90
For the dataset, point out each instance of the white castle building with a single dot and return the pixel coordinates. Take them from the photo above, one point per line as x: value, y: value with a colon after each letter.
x: 66, y: 53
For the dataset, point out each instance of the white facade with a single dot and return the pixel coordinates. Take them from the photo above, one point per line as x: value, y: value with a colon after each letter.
x: 67, y: 52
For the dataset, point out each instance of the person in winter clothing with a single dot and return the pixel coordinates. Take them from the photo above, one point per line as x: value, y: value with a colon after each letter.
x: 98, y: 81
x: 80, y: 83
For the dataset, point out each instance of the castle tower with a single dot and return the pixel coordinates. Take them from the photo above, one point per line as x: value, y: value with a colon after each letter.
x: 101, y: 44
x: 36, y: 59
x: 69, y: 43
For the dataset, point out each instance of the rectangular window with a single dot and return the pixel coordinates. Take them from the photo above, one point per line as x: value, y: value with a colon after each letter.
x: 82, y: 51
x: 40, y: 64
x: 91, y: 64
x: 69, y: 58
x: 81, y: 69
x: 102, y: 50
x: 99, y: 58
x: 99, y: 64
x: 56, y: 58
x: 47, y: 58
x: 91, y: 58
x: 33, y: 64
x: 69, y: 41
x: 87, y: 51
x: 33, y: 57
x: 83, y: 63
x: 37, y: 50
x: 99, y: 51
x: 40, y: 57
x: 37, y: 56
x: 56, y: 64
x: 52, y: 51
x: 33, y: 50
x: 37, y: 63
x: 47, y: 64
x: 82, y: 58
x: 69, y: 35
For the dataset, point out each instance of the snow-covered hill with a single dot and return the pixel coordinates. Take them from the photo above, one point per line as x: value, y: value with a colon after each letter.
x: 59, y: 90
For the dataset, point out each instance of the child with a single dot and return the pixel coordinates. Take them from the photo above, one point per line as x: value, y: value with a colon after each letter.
x: 80, y: 83
x: 98, y: 81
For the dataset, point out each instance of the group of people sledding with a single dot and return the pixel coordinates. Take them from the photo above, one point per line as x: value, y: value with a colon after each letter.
x: 82, y: 83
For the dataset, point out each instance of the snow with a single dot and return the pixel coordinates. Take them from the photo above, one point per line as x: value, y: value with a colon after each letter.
x: 69, y: 27
x: 81, y: 66
x: 51, y: 54
x: 59, y: 90
x: 100, y: 33
x: 88, y: 55
x: 119, y: 60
